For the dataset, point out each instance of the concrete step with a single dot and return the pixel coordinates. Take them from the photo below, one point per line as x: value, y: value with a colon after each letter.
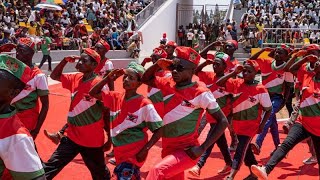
x: 70, y: 67
x: 242, y: 59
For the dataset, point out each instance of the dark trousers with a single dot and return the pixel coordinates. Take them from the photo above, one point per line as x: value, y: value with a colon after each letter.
x: 243, y: 153
x: 68, y: 150
x: 289, y: 101
x: 44, y: 59
x: 223, y: 146
x: 297, y: 133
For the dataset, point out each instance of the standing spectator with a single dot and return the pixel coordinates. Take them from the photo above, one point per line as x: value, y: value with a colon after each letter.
x: 45, y: 48
x: 190, y: 37
x: 202, y: 40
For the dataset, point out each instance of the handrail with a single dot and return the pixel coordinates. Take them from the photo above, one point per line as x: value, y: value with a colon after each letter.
x: 229, y: 11
x: 148, y: 11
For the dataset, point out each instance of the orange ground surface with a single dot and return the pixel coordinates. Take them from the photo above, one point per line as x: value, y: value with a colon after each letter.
x: 291, y: 167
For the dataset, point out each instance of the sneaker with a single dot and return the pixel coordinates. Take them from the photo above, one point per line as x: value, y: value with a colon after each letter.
x: 226, y: 169
x: 228, y: 178
x: 251, y: 177
x: 54, y: 137
x: 195, y: 171
x: 255, y: 148
x: 259, y: 171
x: 310, y: 160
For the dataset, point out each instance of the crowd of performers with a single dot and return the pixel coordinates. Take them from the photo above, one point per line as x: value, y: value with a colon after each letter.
x: 182, y: 98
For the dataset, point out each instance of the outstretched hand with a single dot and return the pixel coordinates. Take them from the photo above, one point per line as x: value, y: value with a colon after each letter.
x: 115, y: 74
x: 71, y: 59
x: 238, y: 69
x: 164, y: 63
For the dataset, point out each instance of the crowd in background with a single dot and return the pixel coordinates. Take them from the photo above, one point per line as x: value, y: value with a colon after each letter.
x: 78, y: 25
x: 299, y: 18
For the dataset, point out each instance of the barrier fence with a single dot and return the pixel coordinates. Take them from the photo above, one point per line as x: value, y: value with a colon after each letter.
x: 291, y: 36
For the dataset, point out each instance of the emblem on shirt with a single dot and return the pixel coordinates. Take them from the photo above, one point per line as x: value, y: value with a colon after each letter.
x: 280, y: 76
x: 132, y: 117
x: 221, y: 89
x: 27, y: 87
x: 87, y: 97
x: 252, y: 99
x: 187, y: 104
x: 316, y: 94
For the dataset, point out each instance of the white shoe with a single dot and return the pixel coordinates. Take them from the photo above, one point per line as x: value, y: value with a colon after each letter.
x: 310, y: 160
x: 259, y: 171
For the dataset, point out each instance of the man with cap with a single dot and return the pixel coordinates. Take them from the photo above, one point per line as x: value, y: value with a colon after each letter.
x: 184, y: 106
x: 27, y: 102
x: 278, y: 82
x: 155, y: 94
x: 229, y: 47
x: 103, y: 68
x: 169, y: 48
x: 45, y: 48
x: 219, y: 64
x: 85, y: 132
x: 17, y: 152
x: 131, y: 114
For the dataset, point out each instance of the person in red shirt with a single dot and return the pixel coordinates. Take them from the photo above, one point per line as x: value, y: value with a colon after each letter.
x: 131, y: 115
x: 17, y: 145
x: 278, y: 83
x: 103, y: 68
x: 307, y: 124
x: 27, y: 102
x: 219, y: 64
x: 85, y: 132
x: 250, y: 109
x: 169, y: 48
x: 184, y: 106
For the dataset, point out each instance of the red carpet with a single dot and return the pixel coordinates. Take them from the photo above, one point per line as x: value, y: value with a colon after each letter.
x: 290, y: 168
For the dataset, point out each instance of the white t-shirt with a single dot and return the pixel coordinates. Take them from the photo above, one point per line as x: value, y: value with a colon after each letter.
x: 190, y: 36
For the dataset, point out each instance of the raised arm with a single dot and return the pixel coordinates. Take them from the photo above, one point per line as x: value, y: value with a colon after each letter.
x: 57, y: 71
x: 204, y: 52
x: 201, y: 66
x: 295, y: 67
x: 149, y: 75
x: 293, y: 59
x: 223, y: 80
x: 95, y: 91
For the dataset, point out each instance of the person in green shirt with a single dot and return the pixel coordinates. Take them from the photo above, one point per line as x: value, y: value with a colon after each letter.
x: 45, y: 48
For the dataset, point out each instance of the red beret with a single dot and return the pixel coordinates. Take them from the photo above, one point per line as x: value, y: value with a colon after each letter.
x: 27, y: 41
x: 93, y: 54
x: 254, y: 64
x: 105, y: 44
x: 188, y: 54
x: 172, y: 43
x: 160, y: 52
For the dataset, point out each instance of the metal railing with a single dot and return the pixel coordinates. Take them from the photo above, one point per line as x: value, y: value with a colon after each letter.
x: 148, y: 11
x: 229, y: 13
x: 291, y: 36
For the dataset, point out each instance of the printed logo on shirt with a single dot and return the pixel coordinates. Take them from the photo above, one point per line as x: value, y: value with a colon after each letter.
x: 280, y: 76
x: 132, y: 117
x: 27, y: 87
x: 316, y: 94
x: 221, y: 89
x: 87, y: 97
x: 252, y: 99
x: 187, y: 104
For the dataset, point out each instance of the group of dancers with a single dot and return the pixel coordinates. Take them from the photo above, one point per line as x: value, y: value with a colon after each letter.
x: 182, y: 98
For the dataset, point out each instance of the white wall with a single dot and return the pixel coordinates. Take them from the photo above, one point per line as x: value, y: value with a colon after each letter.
x: 164, y: 20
